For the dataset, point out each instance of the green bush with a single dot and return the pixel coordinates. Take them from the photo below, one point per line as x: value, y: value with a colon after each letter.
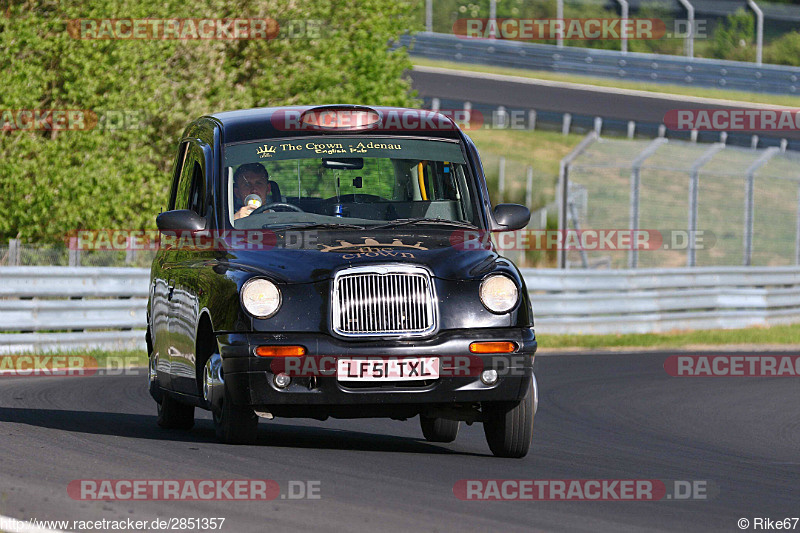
x: 733, y: 38
x: 784, y: 51
x: 53, y: 182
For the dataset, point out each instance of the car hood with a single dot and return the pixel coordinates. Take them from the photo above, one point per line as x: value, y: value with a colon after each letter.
x: 315, y: 255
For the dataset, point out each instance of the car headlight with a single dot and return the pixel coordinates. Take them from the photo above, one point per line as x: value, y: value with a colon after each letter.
x: 261, y: 298
x: 499, y: 293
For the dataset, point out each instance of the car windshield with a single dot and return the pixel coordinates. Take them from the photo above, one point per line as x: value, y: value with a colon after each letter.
x: 362, y: 181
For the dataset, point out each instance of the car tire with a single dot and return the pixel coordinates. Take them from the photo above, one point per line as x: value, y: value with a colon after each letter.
x: 235, y: 424
x: 439, y: 429
x: 508, y: 426
x: 174, y: 415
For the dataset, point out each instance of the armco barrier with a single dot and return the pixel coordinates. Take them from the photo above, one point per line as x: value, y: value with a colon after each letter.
x: 72, y: 308
x: 68, y: 308
x: 693, y: 72
x: 659, y: 300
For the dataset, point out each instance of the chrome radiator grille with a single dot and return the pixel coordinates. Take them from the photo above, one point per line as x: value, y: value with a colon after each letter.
x: 383, y: 300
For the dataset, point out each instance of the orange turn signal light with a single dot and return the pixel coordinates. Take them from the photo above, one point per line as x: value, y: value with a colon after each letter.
x: 492, y: 347
x: 280, y: 351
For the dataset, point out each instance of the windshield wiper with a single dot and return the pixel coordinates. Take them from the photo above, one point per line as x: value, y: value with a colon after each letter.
x: 314, y: 225
x: 423, y: 220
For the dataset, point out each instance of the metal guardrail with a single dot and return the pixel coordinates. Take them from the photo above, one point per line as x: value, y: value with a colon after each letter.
x: 660, y: 300
x: 72, y: 308
x: 693, y: 72
x: 107, y: 305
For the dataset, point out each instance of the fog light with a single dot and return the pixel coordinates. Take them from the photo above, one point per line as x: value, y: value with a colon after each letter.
x: 282, y: 381
x: 489, y: 377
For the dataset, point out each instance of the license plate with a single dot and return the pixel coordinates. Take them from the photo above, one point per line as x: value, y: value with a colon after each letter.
x: 388, y: 369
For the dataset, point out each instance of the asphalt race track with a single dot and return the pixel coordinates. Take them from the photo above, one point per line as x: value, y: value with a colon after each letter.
x: 600, y: 417
x: 526, y: 93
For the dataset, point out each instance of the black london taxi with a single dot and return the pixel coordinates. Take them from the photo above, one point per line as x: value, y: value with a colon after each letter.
x: 322, y: 262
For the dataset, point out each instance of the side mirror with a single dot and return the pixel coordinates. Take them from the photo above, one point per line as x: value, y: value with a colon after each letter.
x: 510, y: 217
x: 180, y: 220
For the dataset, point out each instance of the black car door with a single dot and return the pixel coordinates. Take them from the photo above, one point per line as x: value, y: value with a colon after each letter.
x: 160, y: 290
x: 187, y: 260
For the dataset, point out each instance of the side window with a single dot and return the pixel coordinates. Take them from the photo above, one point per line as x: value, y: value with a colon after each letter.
x: 178, y: 170
x: 190, y: 192
x: 197, y: 192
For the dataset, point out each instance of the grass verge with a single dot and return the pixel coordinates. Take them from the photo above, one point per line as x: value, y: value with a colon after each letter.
x: 776, y: 335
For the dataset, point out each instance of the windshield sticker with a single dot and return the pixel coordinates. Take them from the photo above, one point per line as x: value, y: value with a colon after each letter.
x: 372, y: 248
x: 265, y: 151
x: 412, y: 149
x: 328, y: 148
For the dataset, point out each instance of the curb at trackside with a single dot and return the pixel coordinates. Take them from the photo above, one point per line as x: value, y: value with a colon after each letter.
x: 753, y: 349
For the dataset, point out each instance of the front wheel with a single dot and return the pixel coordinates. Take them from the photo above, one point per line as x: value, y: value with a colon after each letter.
x: 439, y: 429
x: 508, y: 426
x: 235, y: 424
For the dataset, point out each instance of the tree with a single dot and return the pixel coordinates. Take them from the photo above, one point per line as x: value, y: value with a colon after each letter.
x: 53, y: 182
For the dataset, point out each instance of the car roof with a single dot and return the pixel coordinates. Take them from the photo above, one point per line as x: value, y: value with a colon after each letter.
x: 264, y: 122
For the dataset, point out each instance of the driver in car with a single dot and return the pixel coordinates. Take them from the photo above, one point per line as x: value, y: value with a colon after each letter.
x: 250, y: 178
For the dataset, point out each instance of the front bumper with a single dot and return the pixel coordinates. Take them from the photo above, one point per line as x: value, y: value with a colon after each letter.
x: 250, y: 379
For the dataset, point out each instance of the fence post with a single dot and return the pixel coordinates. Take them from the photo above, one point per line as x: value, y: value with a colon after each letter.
x: 797, y: 231
x: 560, y: 16
x: 532, y: 119
x: 500, y: 118
x: 493, y: 17
x: 748, y: 202
x: 130, y: 250
x: 562, y: 191
x: 501, y: 178
x: 694, y: 185
x: 623, y: 34
x: 429, y: 15
x: 631, y: 129
x: 529, y: 187
x: 598, y: 124
x: 566, y: 123
x: 759, y: 29
x: 689, y: 43
x: 74, y: 257
x: 13, y: 252
x: 636, y: 167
